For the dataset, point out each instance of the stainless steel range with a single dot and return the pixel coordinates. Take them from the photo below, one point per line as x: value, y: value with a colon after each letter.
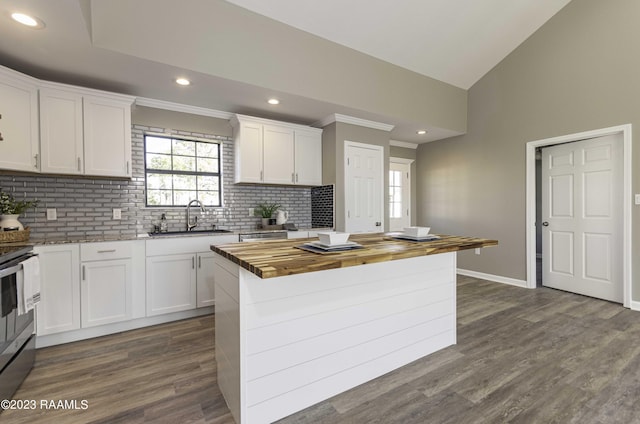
x: 17, y: 341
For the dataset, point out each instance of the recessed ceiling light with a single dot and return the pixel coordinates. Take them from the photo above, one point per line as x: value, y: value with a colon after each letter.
x: 183, y: 81
x: 421, y: 132
x: 273, y: 101
x: 28, y: 20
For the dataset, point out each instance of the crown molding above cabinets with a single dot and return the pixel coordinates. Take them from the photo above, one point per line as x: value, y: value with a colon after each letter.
x: 336, y: 117
x: 178, y: 107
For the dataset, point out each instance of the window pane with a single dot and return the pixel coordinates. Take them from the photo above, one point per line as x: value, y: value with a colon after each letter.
x: 155, y: 161
x: 210, y: 198
x: 184, y: 182
x: 207, y: 165
x: 397, y: 212
x: 183, y: 197
x: 158, y: 145
x: 162, y: 181
x: 207, y: 183
x: 159, y: 198
x: 209, y: 150
x: 184, y: 147
x: 184, y: 163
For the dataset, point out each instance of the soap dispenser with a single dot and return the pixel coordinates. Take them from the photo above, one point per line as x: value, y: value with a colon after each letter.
x: 164, y: 227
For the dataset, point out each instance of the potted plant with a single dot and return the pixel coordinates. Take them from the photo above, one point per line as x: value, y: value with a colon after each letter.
x: 265, y: 211
x: 11, y: 209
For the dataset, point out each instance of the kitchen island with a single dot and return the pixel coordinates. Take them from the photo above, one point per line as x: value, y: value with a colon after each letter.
x: 294, y: 328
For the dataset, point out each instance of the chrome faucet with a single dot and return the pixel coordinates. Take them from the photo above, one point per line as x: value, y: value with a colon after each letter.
x: 193, y: 224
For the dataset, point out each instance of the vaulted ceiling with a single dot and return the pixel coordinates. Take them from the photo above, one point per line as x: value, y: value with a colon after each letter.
x: 406, y: 63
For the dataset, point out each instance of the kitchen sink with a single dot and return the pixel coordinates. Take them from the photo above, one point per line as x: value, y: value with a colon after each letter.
x: 174, y: 233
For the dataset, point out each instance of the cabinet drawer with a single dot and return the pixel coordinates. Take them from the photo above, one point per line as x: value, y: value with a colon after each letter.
x: 106, y: 250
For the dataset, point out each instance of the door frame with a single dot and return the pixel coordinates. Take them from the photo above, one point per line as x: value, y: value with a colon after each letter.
x: 625, y: 130
x: 383, y: 192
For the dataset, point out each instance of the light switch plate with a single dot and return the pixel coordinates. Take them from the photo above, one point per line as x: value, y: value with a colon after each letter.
x: 52, y: 214
x: 477, y: 250
x: 251, y: 212
x: 117, y: 214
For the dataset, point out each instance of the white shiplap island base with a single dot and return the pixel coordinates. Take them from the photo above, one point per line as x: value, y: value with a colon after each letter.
x: 287, y: 342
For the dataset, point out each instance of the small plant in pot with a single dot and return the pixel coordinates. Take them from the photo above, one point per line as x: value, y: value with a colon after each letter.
x: 265, y: 211
x: 11, y: 209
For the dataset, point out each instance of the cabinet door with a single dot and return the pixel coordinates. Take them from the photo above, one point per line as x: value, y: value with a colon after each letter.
x: 249, y: 153
x: 278, y: 155
x: 59, y: 307
x: 61, y: 139
x: 205, y: 296
x: 107, y: 137
x: 106, y: 292
x: 308, y: 158
x: 18, y: 124
x: 171, y: 284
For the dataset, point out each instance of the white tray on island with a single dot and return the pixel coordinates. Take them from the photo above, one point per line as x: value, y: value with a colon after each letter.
x: 317, y: 247
x: 410, y: 237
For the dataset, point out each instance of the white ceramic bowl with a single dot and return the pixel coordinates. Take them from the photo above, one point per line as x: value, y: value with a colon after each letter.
x: 331, y: 237
x: 417, y: 231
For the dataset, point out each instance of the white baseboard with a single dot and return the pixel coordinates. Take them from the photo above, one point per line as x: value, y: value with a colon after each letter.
x: 635, y: 305
x: 495, y: 278
x: 103, y: 330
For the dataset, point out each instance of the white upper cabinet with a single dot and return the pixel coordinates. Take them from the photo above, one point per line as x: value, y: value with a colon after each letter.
x: 308, y: 157
x: 107, y: 136
x: 277, y: 148
x: 248, y: 149
x: 84, y: 131
x: 61, y: 133
x: 272, y: 152
x: 18, y: 122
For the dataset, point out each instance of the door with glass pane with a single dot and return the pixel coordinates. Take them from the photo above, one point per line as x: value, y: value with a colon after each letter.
x: 399, y: 195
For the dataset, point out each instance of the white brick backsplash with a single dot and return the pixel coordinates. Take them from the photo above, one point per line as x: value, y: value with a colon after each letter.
x: 84, y: 205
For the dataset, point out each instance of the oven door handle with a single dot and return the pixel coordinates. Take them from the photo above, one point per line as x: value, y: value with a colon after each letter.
x: 9, y: 271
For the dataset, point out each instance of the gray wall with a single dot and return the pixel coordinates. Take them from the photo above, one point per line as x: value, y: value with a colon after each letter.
x: 333, y: 138
x: 256, y: 50
x: 579, y: 72
x: 84, y: 205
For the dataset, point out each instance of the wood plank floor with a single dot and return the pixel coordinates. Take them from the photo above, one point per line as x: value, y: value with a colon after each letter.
x: 523, y: 356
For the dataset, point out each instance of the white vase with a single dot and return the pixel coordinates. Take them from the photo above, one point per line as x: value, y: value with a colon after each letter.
x: 10, y: 221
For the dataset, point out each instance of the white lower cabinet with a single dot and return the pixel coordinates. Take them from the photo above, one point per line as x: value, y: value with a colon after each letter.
x: 171, y: 283
x: 89, y: 284
x: 59, y: 307
x: 107, y: 282
x: 205, y: 280
x: 105, y: 292
x: 180, y: 273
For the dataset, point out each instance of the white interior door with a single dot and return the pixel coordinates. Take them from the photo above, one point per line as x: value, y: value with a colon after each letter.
x: 399, y: 195
x: 363, y: 188
x: 582, y: 204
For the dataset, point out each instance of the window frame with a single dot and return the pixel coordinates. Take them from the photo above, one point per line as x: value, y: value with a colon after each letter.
x: 172, y: 172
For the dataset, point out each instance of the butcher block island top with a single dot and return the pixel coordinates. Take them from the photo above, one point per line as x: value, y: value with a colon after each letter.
x: 279, y: 258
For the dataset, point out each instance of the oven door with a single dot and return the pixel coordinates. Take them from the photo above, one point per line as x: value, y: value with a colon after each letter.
x: 14, y: 329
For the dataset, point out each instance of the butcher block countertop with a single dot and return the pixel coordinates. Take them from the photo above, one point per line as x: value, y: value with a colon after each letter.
x: 279, y: 258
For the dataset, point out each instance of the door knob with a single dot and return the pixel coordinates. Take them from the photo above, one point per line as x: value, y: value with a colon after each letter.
x: 545, y: 224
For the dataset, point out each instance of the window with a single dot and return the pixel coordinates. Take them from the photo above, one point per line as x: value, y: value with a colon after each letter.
x: 395, y: 194
x: 179, y: 170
